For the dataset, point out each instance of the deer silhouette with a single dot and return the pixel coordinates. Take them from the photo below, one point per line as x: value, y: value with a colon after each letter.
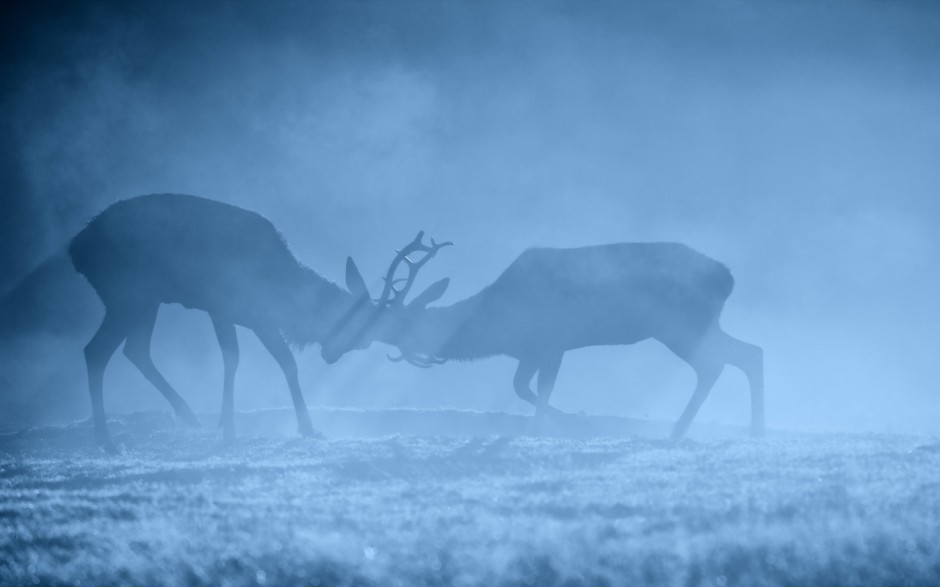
x: 549, y: 301
x: 231, y: 262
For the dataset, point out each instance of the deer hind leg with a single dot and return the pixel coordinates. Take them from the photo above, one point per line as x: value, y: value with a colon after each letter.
x: 228, y: 342
x: 708, y: 366
x: 137, y: 349
x: 98, y: 352
x: 749, y: 358
x: 274, y: 342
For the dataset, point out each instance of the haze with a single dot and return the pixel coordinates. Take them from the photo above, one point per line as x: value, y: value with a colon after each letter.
x: 797, y: 142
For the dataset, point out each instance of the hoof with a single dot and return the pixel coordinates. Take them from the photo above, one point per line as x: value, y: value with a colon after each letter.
x: 108, y: 447
x: 547, y: 411
x: 311, y: 433
x: 188, y: 417
x: 228, y: 429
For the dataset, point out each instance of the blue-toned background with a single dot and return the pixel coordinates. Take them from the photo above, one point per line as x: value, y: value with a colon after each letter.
x: 798, y: 142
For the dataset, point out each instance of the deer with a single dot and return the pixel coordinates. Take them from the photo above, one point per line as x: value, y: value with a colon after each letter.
x: 204, y: 254
x: 552, y: 300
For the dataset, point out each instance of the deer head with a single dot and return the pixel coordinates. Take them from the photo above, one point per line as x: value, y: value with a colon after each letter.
x: 390, y: 316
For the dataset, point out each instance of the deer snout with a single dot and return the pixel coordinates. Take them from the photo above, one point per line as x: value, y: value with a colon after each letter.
x: 330, y: 357
x: 331, y: 354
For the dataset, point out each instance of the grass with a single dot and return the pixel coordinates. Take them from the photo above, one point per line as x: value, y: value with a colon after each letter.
x: 514, y: 508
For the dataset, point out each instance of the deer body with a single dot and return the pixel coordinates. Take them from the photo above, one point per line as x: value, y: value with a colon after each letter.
x: 230, y: 262
x: 549, y: 301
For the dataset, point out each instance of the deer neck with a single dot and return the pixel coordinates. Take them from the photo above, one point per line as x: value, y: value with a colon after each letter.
x: 314, y: 309
x: 446, y: 333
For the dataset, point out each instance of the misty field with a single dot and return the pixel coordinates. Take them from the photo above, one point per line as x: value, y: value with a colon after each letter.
x: 447, y: 498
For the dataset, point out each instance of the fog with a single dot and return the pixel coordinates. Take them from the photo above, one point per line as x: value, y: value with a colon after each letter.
x: 796, y: 142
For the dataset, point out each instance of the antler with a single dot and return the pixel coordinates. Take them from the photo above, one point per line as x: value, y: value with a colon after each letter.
x: 391, y: 294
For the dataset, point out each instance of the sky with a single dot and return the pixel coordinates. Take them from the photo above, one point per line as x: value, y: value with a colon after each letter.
x: 794, y: 141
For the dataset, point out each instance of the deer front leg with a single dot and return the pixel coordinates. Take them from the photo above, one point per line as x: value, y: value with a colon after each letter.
x: 274, y: 342
x: 524, y: 373
x: 98, y: 351
x: 228, y: 342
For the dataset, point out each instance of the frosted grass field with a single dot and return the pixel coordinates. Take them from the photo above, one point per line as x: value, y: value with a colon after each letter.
x: 448, y: 498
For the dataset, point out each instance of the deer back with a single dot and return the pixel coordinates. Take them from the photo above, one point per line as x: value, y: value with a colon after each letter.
x: 172, y: 248
x: 557, y: 299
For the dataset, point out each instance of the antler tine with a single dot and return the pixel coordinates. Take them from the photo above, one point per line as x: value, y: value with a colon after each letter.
x: 390, y: 281
x: 394, y: 296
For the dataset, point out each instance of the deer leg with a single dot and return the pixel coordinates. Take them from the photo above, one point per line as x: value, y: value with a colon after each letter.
x: 548, y: 373
x: 524, y: 373
x: 137, y: 349
x: 707, y: 370
x: 228, y: 342
x: 748, y: 358
x: 274, y: 342
x: 98, y: 351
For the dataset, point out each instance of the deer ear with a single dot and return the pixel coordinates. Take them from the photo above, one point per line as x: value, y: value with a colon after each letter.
x: 354, y: 281
x: 432, y: 293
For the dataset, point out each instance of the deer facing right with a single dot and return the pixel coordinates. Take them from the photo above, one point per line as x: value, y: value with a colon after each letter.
x: 549, y: 301
x: 158, y: 249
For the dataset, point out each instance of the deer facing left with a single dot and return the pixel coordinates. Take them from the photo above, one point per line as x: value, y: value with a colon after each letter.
x: 550, y: 301
x: 204, y: 254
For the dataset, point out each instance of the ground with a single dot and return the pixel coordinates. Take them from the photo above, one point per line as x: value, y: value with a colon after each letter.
x: 457, y: 498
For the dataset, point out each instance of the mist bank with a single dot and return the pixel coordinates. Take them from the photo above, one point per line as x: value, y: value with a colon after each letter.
x: 793, y: 141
